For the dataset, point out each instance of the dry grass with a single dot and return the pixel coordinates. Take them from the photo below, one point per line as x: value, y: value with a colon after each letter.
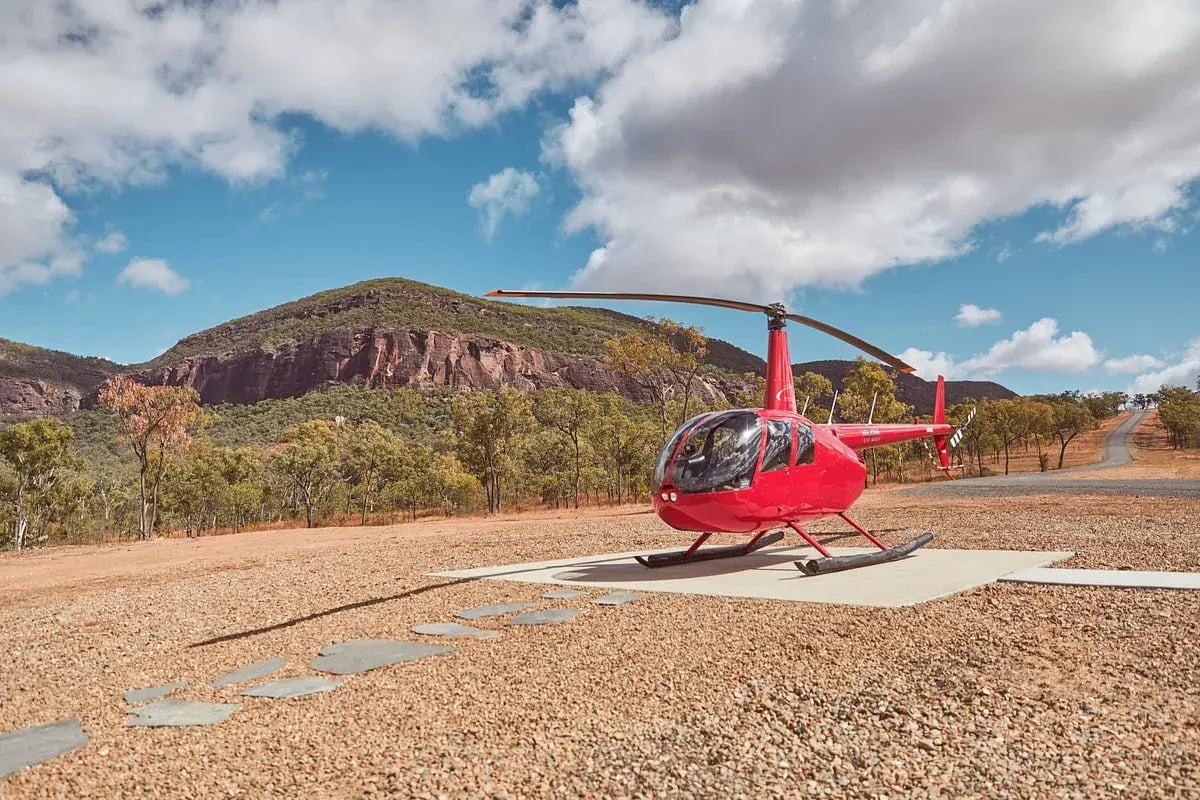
x: 1087, y: 448
x: 1007, y: 690
x: 1153, y: 455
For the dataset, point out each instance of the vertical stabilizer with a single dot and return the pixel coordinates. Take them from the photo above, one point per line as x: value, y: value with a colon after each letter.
x: 941, y: 443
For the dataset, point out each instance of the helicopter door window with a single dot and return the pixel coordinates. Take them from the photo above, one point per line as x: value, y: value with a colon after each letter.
x: 804, y: 445
x: 777, y: 454
x: 719, y: 454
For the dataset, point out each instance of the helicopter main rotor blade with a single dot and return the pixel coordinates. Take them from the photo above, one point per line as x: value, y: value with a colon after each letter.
x: 736, y: 305
x: 850, y: 338
x: 666, y: 298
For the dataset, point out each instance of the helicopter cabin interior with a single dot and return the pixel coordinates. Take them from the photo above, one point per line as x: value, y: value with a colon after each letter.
x: 720, y: 451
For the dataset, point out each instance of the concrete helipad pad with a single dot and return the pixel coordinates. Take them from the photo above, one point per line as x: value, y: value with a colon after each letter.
x: 1122, y: 578
x: 927, y: 574
x: 134, y: 696
x: 29, y: 746
x: 495, y: 610
x: 180, y: 713
x: 454, y: 631
x: 251, y: 672
x: 550, y: 616
x: 293, y: 687
x: 361, y: 655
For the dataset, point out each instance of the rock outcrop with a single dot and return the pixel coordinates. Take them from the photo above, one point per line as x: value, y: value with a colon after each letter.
x: 392, y: 357
x: 32, y: 396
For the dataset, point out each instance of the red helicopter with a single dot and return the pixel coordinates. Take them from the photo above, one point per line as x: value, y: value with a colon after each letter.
x: 753, y: 470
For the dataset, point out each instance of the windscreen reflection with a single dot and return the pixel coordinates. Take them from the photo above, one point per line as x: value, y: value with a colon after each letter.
x: 719, y: 453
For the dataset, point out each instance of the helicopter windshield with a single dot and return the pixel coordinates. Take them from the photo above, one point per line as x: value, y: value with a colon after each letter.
x: 660, y: 467
x: 719, y: 453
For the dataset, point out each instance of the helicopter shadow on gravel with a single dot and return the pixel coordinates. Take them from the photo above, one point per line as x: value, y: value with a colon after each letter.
x: 627, y: 572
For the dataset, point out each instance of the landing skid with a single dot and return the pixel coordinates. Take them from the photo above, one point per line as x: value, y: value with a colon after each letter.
x: 694, y: 553
x: 821, y: 566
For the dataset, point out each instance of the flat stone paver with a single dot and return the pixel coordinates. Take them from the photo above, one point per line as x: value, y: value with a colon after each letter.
x: 251, y: 672
x: 496, y: 610
x: 293, y: 687
x: 180, y: 713
x: 29, y: 746
x: 562, y: 594
x: 135, y: 696
x: 549, y: 616
x: 454, y: 630
x: 616, y: 599
x: 1118, y: 578
x: 361, y: 655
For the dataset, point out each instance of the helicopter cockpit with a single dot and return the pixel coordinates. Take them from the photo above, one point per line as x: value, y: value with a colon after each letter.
x: 717, y: 452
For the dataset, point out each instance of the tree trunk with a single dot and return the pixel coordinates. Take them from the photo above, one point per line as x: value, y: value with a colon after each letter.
x: 576, y: 438
x: 1006, y: 458
x: 145, y: 507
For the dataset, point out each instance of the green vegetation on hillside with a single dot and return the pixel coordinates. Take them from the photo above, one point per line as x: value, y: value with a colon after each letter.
x: 18, y: 360
x: 402, y: 303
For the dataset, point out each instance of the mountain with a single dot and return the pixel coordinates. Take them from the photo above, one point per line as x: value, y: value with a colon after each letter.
x: 40, y: 381
x: 394, y: 332
x: 911, y: 389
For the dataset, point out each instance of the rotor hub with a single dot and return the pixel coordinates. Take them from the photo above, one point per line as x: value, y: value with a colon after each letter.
x: 776, y: 316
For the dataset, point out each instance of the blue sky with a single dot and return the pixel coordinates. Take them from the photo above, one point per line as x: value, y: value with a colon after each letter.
x: 630, y: 170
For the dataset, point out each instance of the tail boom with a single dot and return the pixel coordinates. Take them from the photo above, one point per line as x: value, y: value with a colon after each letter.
x: 864, y: 437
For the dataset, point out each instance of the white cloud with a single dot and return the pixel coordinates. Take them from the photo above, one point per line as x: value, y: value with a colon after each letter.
x: 507, y: 193
x: 1132, y: 364
x: 929, y: 365
x: 112, y: 242
x: 1183, y: 372
x: 103, y: 92
x: 1038, y: 348
x: 778, y: 144
x: 973, y: 316
x: 153, y: 273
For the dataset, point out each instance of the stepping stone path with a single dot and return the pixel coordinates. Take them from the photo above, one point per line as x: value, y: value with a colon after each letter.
x: 562, y: 594
x: 616, y: 599
x: 180, y: 713
x: 293, y: 687
x: 135, y: 696
x: 550, y: 616
x: 29, y: 746
x: 453, y: 629
x: 251, y: 672
x: 497, y: 610
x: 361, y: 655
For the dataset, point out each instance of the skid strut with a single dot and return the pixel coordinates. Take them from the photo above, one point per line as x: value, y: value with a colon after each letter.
x: 832, y: 563
x: 694, y: 553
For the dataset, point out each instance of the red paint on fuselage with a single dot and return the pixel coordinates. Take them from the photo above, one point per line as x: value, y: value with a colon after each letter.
x: 799, y: 493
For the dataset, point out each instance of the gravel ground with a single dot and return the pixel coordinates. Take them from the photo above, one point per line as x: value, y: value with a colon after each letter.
x: 1007, y: 690
x: 1028, y: 485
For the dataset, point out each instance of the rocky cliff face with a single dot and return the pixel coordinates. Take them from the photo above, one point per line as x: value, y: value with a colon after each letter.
x: 392, y: 357
x: 31, y: 396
